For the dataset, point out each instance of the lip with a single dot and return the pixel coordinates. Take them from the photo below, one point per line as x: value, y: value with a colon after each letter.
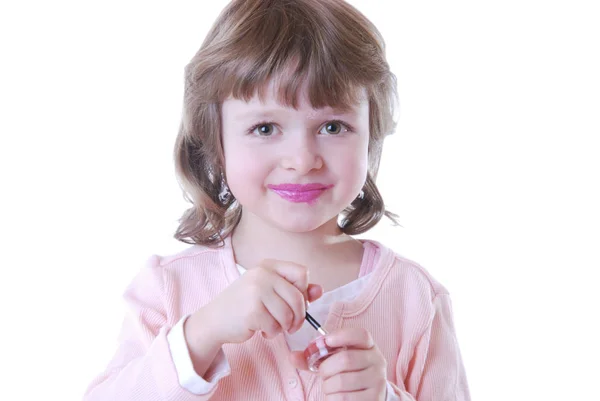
x: 299, y: 193
x: 299, y: 187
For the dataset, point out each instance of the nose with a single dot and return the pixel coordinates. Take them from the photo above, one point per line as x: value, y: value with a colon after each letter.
x: 302, y: 156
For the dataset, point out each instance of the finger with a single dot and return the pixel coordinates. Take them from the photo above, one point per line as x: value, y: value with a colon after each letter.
x: 352, y: 337
x: 267, y: 325
x: 315, y: 291
x: 270, y: 335
x: 278, y: 309
x: 296, y: 274
x: 350, y: 360
x: 295, y: 302
x: 298, y: 360
x: 368, y: 394
x: 353, y: 381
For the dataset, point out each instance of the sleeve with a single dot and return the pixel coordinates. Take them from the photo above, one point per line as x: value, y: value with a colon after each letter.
x: 142, y: 367
x: 394, y: 394
x: 436, y: 371
x: 188, y: 378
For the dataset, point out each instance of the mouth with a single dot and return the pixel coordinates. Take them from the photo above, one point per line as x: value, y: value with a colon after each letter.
x: 300, y: 193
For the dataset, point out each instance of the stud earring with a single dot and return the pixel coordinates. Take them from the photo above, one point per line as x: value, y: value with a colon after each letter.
x: 361, y: 194
x: 225, y: 194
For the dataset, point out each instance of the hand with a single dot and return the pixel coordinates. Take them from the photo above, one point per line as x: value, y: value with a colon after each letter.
x: 356, y: 374
x: 270, y: 298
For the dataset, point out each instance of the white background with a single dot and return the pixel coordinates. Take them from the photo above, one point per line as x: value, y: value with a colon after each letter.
x: 494, y: 171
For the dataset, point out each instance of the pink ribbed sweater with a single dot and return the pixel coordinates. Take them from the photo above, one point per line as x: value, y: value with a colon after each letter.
x: 407, y: 312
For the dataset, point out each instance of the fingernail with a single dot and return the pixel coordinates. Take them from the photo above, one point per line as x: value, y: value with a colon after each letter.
x: 307, y: 304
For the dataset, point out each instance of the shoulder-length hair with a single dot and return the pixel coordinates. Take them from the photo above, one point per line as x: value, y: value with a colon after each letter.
x: 327, y: 44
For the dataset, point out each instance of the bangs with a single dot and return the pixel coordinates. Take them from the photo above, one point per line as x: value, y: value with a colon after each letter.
x: 296, y: 45
x: 288, y: 84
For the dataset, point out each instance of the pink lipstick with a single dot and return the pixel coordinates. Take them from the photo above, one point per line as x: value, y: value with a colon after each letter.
x: 299, y: 193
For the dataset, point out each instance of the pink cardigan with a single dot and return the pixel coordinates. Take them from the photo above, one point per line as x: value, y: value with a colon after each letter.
x: 408, y: 313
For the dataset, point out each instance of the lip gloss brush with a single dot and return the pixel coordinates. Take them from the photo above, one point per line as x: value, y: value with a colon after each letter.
x: 315, y: 324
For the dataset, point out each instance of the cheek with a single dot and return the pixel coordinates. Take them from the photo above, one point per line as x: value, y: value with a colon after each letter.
x: 351, y: 161
x: 245, y: 174
x: 355, y: 174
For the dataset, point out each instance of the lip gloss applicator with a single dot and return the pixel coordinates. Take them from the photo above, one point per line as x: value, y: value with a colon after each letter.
x: 318, y: 350
x: 313, y: 322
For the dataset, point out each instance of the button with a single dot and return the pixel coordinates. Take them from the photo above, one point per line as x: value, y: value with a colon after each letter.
x: 293, y: 382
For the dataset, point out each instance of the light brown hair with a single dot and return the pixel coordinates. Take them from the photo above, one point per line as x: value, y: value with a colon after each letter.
x: 326, y: 43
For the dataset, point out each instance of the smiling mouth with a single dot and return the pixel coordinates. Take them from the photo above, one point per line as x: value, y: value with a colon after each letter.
x: 297, y: 193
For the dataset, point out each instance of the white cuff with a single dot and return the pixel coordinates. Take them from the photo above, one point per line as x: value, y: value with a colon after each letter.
x: 391, y: 393
x: 188, y: 378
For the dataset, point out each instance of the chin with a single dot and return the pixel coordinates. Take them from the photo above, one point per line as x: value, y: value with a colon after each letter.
x: 297, y: 226
x: 297, y: 222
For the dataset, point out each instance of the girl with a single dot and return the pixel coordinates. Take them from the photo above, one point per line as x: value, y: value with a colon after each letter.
x: 286, y: 107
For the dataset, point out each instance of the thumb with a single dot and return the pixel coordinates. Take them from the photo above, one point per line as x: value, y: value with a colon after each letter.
x: 314, y: 292
x: 297, y: 360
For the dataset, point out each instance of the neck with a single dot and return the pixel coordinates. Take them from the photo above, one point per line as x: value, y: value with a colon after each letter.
x: 254, y: 240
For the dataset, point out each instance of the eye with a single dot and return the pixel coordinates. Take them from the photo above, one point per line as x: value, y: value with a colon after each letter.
x: 333, y: 128
x: 263, y: 129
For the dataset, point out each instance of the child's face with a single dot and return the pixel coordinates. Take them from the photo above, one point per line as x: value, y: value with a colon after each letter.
x: 304, y: 146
